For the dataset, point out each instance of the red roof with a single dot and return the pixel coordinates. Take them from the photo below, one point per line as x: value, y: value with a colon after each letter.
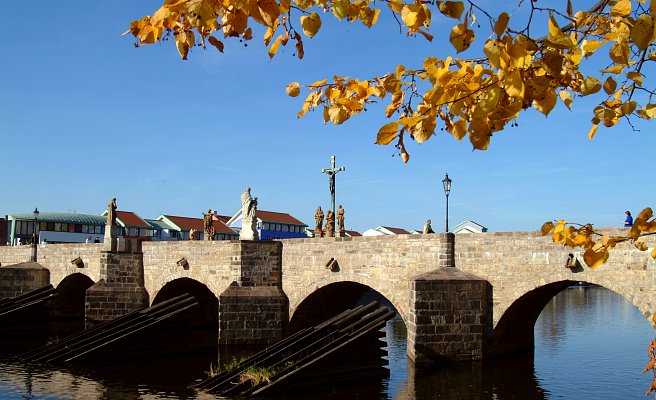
x: 353, y: 233
x: 282, y: 218
x: 131, y: 219
x: 398, y: 231
x: 187, y: 223
x: 223, y: 218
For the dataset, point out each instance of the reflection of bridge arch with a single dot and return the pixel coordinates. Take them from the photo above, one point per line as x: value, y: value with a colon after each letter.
x: 327, y: 300
x: 515, y: 328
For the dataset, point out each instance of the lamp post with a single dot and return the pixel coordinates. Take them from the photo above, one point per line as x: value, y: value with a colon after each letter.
x: 34, y: 237
x: 446, y: 182
x: 36, y: 219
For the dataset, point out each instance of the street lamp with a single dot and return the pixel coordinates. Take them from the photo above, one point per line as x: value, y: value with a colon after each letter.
x: 446, y: 182
x: 36, y: 219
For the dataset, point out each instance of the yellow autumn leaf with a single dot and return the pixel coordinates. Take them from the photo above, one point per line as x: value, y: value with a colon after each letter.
x: 642, y: 32
x: 558, y: 38
x: 461, y: 37
x: 547, y: 103
x: 566, y: 97
x: 621, y: 9
x: 451, y: 9
x: 590, y: 85
x: 547, y: 228
x: 311, y: 24
x: 387, y: 133
x: 216, y: 43
x: 337, y: 114
x: 274, y: 47
x: 293, y: 89
x: 269, y: 11
x: 513, y: 84
x: 458, y: 129
x: 501, y: 24
x: 593, y: 131
x: 610, y: 85
x: 595, y: 259
x: 590, y: 46
x: 340, y: 8
x: 413, y: 15
x: 615, y: 69
x: 620, y: 53
x: 642, y: 246
x: 635, y: 77
x: 653, y: 255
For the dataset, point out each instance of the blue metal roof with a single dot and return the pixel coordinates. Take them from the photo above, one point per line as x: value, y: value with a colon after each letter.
x: 66, y: 218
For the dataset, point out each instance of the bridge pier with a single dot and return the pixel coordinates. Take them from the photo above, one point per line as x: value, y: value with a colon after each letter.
x: 120, y: 288
x: 254, y: 309
x: 21, y: 278
x: 450, y: 317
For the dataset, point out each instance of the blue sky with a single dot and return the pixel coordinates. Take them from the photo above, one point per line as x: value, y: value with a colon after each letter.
x: 85, y: 116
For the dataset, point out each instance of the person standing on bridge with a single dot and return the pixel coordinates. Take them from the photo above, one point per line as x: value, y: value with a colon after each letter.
x: 628, y: 222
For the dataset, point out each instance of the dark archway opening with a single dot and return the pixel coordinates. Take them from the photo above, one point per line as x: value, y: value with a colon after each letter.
x: 69, y: 302
x: 192, y: 331
x: 384, y: 351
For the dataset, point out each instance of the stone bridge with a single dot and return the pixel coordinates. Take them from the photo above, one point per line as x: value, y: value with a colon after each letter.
x: 461, y: 297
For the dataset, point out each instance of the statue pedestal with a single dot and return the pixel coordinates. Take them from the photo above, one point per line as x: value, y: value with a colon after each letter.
x: 249, y: 230
x: 111, y: 238
x: 318, y: 233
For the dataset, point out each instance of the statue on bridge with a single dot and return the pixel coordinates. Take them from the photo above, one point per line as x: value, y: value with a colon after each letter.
x: 330, y: 224
x: 208, y: 225
x: 340, y: 221
x: 248, y: 216
x: 318, y: 217
x: 111, y: 212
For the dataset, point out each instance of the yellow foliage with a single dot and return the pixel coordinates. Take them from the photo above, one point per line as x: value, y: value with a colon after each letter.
x: 293, y: 89
x: 475, y: 98
x: 311, y: 24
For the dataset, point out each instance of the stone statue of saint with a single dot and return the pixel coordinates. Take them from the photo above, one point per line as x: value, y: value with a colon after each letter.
x: 208, y: 225
x: 248, y: 216
x: 193, y: 234
x: 330, y: 224
x: 427, y: 227
x: 318, y: 217
x: 111, y: 212
x: 340, y: 221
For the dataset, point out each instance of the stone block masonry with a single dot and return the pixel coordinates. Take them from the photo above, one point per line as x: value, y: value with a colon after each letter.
x: 22, y: 278
x: 254, y: 309
x: 120, y: 289
x: 450, y: 317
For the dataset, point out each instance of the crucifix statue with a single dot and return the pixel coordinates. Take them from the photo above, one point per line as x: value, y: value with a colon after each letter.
x: 331, y: 175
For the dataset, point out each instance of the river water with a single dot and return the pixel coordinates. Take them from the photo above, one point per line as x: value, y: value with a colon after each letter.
x: 589, y: 343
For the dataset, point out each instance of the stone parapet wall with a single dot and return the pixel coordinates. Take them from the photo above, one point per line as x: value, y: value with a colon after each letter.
x: 14, y: 254
x: 58, y: 258
x: 518, y: 262
x: 212, y: 263
x: 385, y: 263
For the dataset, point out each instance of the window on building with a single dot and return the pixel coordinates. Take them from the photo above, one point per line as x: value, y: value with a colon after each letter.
x: 78, y: 228
x: 285, y: 228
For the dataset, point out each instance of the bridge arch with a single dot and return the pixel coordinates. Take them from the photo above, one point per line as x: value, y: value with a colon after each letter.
x: 206, y: 314
x: 330, y: 299
x: 71, y: 294
x: 514, y: 331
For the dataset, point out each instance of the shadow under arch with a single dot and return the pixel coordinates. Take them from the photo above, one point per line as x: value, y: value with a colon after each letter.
x: 207, y: 312
x: 514, y: 333
x: 331, y: 300
x: 70, y: 299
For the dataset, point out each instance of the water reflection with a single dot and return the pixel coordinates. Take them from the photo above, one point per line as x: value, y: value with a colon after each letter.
x: 590, y: 343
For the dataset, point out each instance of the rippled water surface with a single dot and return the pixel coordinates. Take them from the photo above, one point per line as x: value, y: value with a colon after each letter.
x: 590, y: 343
